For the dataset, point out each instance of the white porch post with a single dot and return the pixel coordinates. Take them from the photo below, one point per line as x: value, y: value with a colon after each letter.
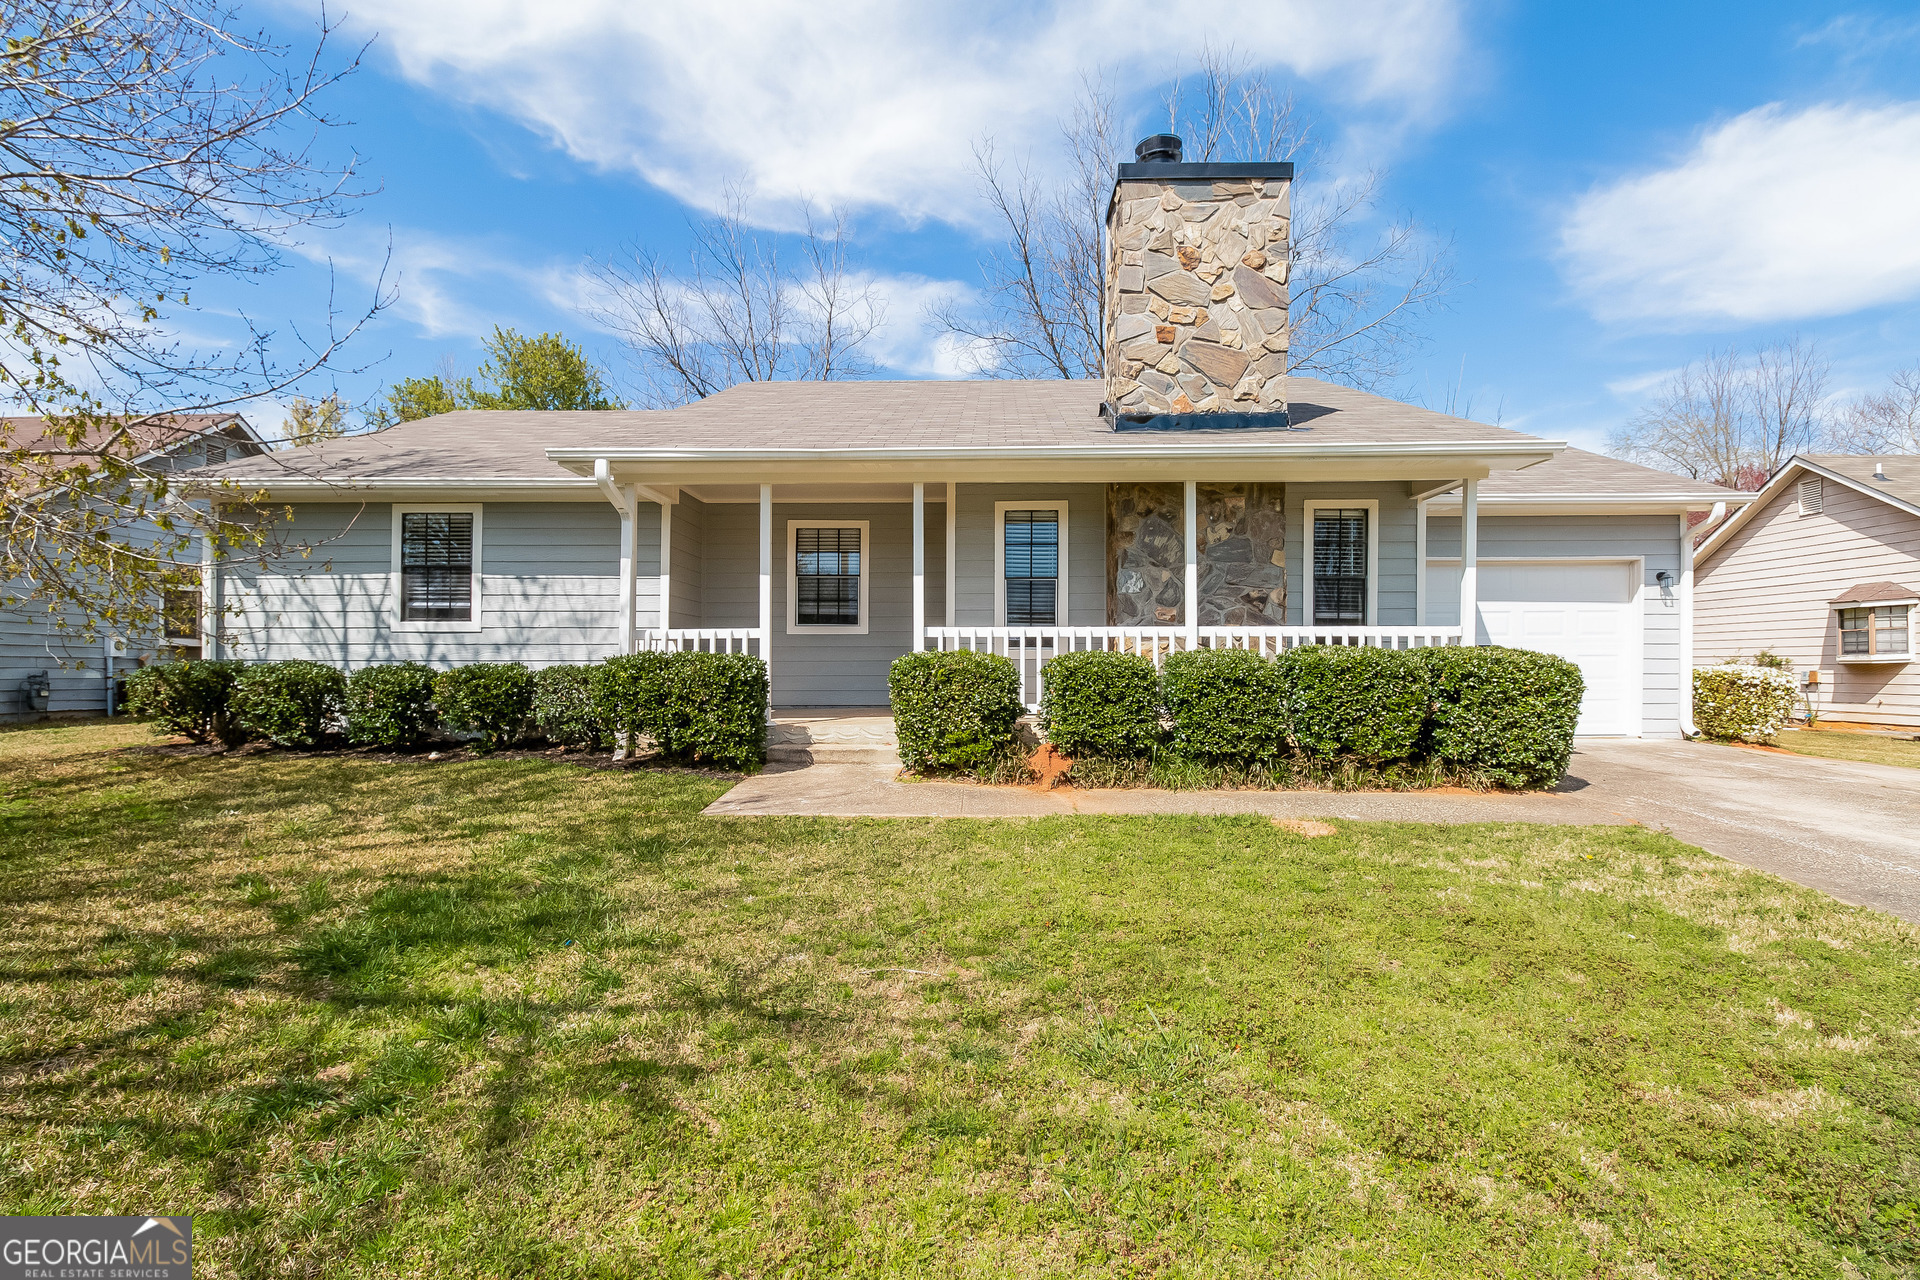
x: 1687, y: 727
x: 629, y: 571
x: 953, y: 505
x: 1191, y: 599
x: 1470, y: 563
x: 1420, y: 563
x: 766, y: 588
x: 919, y: 566
x: 212, y: 603
x: 666, y: 567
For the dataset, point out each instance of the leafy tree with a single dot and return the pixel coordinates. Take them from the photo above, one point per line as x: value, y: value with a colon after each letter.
x: 546, y: 372
x: 412, y: 398
x: 148, y: 148
x: 310, y: 421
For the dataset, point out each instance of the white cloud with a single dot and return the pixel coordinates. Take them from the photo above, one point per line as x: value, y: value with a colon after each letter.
x: 872, y: 103
x: 1774, y: 215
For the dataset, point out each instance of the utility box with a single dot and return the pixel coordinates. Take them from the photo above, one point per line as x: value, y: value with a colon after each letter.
x: 36, y: 693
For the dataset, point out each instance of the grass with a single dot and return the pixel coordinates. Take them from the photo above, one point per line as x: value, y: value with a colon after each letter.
x: 515, y: 1017
x: 1834, y: 744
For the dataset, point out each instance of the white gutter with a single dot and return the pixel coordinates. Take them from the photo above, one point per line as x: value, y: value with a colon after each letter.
x: 603, y: 477
x: 1152, y: 445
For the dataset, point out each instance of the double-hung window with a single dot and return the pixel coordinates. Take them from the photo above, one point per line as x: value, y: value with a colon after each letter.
x: 827, y: 576
x: 1874, y: 631
x: 436, y: 556
x: 1031, y: 559
x: 1342, y: 552
x: 180, y: 613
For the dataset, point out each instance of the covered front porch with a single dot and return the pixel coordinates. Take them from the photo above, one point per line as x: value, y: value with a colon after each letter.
x: 828, y: 584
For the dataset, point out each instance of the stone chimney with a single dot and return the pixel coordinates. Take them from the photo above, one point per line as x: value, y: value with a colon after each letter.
x: 1196, y: 306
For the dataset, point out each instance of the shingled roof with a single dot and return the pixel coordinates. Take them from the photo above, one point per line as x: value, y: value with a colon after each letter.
x: 512, y: 445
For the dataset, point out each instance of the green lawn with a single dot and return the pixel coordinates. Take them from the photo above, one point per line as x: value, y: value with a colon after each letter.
x: 516, y: 1017
x: 1833, y: 744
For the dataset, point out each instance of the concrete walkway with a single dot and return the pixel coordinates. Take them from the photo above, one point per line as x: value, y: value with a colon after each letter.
x: 1848, y: 829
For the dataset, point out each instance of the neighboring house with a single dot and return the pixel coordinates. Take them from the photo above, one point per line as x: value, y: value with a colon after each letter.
x: 32, y: 647
x: 1196, y: 496
x: 1824, y: 570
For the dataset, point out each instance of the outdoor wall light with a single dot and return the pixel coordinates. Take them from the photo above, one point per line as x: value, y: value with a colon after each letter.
x: 1664, y: 578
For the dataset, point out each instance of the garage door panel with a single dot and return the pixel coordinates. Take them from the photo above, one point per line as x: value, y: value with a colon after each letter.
x: 1581, y: 612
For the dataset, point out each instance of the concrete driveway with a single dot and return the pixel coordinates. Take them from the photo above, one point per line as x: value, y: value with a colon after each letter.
x: 1848, y: 829
x: 1851, y: 830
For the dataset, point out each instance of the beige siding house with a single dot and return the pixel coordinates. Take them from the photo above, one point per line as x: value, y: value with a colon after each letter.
x: 1823, y: 569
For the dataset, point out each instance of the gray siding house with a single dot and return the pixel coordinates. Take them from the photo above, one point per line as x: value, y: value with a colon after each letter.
x: 1198, y: 495
x: 1824, y: 569
x: 35, y: 651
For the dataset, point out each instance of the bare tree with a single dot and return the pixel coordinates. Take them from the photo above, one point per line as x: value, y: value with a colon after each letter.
x: 1731, y: 419
x: 1358, y: 298
x: 1886, y: 422
x: 144, y: 148
x: 736, y: 314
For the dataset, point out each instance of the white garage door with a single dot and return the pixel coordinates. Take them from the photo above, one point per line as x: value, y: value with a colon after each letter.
x: 1582, y: 612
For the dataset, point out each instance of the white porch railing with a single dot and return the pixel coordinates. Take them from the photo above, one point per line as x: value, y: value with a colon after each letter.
x: 1030, y: 647
x: 700, y: 640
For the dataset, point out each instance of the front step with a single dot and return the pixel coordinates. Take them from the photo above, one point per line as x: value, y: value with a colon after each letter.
x: 829, y: 735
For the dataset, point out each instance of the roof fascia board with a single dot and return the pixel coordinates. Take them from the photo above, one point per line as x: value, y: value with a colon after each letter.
x: 1595, y: 504
x: 431, y: 489
x: 1524, y: 452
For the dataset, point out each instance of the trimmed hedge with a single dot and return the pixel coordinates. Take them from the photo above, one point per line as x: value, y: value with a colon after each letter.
x: 1228, y: 706
x: 291, y: 704
x: 953, y: 710
x: 193, y: 698
x: 1354, y: 701
x: 492, y: 699
x: 708, y: 707
x: 1742, y: 704
x: 1506, y: 714
x: 619, y: 696
x: 390, y: 704
x: 563, y: 706
x: 1099, y: 704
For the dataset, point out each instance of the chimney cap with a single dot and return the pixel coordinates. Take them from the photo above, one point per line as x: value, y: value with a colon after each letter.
x: 1160, y: 148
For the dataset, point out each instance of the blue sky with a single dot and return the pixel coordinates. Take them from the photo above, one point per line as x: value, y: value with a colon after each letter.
x: 1625, y: 186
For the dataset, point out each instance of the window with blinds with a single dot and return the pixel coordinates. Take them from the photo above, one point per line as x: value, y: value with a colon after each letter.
x: 1340, y: 566
x: 826, y: 577
x: 1032, y: 550
x: 436, y: 566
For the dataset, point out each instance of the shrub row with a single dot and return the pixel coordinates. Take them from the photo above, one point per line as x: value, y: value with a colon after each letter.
x: 705, y: 707
x: 1507, y: 715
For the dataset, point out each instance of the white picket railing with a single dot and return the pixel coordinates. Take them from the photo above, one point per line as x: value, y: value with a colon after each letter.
x: 700, y: 640
x: 1030, y: 647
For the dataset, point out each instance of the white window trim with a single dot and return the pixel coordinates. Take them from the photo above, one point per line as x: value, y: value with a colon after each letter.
x: 1883, y: 659
x: 794, y: 626
x: 1307, y: 509
x: 394, y: 620
x: 1062, y: 602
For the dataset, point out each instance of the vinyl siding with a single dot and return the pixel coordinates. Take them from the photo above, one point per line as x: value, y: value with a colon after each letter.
x: 1655, y: 538
x: 825, y: 669
x: 1086, y: 553
x: 1395, y: 600
x: 550, y: 576
x: 1768, y: 588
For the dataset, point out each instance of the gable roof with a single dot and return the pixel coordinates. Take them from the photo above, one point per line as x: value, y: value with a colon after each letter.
x: 1901, y: 488
x: 151, y: 435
